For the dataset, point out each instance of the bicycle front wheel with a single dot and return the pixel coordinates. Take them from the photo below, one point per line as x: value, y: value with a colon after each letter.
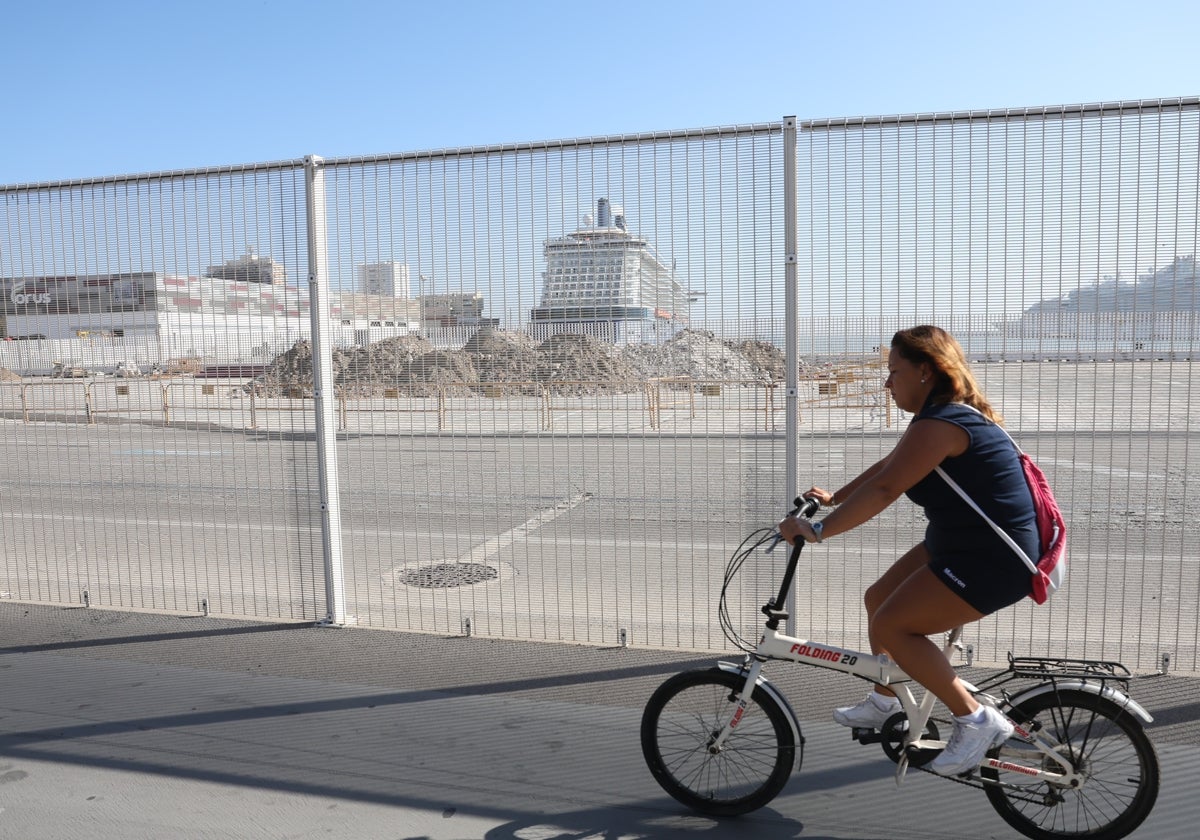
x: 1097, y: 739
x: 679, y: 725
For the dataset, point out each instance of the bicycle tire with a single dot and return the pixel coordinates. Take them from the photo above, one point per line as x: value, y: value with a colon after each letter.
x: 754, y: 763
x: 1106, y: 744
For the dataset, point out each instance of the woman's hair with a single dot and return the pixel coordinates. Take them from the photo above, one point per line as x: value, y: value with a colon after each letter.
x: 954, y: 381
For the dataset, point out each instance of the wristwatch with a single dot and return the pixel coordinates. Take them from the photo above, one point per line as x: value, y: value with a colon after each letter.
x: 818, y: 527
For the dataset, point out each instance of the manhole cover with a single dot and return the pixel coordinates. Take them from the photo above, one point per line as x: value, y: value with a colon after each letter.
x: 449, y: 574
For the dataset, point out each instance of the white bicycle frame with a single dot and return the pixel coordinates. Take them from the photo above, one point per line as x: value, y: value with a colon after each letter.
x: 880, y: 669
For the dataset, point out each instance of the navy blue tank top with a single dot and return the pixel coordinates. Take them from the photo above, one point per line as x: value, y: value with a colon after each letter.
x: 990, y: 473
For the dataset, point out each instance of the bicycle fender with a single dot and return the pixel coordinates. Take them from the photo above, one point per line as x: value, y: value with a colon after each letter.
x: 1107, y: 692
x: 773, y: 692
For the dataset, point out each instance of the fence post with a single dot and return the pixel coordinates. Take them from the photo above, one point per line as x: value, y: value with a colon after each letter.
x: 547, y: 410
x: 791, y: 341
x: 324, y: 397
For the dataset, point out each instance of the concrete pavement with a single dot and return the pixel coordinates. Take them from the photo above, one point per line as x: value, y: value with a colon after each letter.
x: 150, y: 727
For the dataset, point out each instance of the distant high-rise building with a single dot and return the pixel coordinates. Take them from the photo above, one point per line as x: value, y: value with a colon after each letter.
x: 603, y: 280
x: 388, y: 278
x: 454, y: 309
x: 250, y: 268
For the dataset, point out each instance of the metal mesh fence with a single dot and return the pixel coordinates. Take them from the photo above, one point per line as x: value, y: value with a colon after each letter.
x: 567, y: 473
x: 133, y: 475
x: 1059, y: 246
x: 558, y: 380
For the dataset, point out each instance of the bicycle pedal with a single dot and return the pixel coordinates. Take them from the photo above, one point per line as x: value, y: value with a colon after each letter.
x: 866, y: 735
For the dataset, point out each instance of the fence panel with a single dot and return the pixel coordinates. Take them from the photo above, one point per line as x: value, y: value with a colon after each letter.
x: 1059, y: 245
x: 550, y: 495
x: 123, y: 485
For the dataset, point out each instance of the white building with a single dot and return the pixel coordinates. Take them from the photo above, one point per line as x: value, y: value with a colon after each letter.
x: 606, y: 282
x: 162, y: 316
x: 388, y: 278
x: 250, y: 268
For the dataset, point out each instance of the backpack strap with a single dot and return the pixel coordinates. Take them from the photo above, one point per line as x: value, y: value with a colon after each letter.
x: 1000, y: 531
x: 963, y: 493
x: 997, y: 425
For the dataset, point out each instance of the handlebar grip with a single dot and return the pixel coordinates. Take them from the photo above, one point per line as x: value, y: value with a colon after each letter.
x: 806, y: 507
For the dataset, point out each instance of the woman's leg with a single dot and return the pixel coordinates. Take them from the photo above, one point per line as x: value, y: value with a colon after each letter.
x: 878, y: 592
x: 921, y: 606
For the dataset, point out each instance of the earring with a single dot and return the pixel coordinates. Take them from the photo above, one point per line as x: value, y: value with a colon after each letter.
x: 922, y: 381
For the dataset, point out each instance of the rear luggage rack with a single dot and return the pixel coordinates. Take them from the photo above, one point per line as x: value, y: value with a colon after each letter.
x: 1052, y: 667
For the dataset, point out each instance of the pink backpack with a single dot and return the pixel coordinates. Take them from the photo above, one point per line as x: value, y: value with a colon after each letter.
x: 1050, y: 569
x: 1052, y: 532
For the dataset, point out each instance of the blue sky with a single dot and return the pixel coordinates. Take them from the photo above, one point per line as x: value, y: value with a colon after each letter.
x: 125, y: 87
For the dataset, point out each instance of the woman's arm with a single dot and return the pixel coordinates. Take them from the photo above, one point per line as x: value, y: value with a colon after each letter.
x: 923, y: 446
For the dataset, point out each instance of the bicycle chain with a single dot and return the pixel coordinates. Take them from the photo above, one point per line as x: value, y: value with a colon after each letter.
x: 980, y: 784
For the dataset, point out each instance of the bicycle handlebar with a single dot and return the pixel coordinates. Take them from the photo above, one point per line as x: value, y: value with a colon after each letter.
x: 803, y: 506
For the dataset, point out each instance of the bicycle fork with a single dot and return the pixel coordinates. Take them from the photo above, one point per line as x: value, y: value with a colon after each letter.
x: 717, y: 739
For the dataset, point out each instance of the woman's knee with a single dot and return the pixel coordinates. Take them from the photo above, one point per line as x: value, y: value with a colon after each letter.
x: 874, y: 597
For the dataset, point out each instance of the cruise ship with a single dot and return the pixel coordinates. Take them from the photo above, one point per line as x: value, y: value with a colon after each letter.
x: 606, y: 282
x: 1161, y: 307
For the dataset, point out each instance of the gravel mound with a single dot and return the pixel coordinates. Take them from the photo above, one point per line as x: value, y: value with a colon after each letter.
x: 580, y: 364
x: 7, y: 375
x: 571, y: 364
x: 501, y: 357
x: 766, y: 360
x: 384, y: 364
x: 693, y: 354
x: 426, y: 375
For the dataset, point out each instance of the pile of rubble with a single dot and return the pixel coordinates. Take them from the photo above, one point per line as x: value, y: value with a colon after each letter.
x: 569, y: 363
x: 7, y: 375
x: 701, y: 356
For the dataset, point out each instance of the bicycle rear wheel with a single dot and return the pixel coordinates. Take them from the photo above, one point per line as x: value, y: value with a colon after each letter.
x: 753, y: 764
x: 1099, y: 740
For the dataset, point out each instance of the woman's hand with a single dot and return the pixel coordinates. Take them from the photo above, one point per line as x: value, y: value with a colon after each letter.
x: 822, y: 495
x: 797, y: 526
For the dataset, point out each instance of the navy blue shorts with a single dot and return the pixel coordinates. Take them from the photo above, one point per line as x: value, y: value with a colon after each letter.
x: 985, y: 581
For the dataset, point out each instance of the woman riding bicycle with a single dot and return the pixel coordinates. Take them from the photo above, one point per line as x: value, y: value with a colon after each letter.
x: 962, y: 570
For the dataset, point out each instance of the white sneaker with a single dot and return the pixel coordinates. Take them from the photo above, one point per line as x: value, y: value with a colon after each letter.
x: 870, y: 713
x: 969, y: 742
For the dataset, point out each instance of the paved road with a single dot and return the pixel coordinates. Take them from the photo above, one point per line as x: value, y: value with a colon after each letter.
x: 583, y: 538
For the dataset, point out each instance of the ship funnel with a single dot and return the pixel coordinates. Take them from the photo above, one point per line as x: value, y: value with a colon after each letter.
x: 619, y: 216
x: 603, y: 217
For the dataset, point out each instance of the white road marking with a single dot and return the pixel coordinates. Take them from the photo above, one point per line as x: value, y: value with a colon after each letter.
x: 490, y: 547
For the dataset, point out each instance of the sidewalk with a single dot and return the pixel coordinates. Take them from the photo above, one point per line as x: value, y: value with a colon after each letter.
x: 153, y: 727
